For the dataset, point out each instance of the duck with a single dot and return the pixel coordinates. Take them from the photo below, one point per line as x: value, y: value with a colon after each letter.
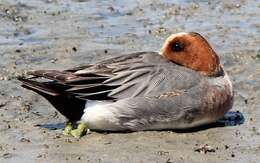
x: 182, y: 86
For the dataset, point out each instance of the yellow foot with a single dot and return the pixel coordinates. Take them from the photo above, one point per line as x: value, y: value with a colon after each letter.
x: 80, y: 131
x: 68, y: 128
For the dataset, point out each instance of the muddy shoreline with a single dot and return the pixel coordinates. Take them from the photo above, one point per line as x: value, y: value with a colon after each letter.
x: 41, y: 34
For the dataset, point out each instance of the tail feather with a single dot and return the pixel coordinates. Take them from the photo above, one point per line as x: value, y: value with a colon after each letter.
x: 68, y: 105
x: 38, y: 87
x: 53, y: 75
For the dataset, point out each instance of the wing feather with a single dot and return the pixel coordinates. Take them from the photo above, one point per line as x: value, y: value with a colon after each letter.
x: 133, y: 75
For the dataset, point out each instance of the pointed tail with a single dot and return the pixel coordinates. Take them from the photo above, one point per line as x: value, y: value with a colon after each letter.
x: 68, y: 105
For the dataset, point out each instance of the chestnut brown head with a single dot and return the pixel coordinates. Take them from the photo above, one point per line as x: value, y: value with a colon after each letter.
x: 192, y: 51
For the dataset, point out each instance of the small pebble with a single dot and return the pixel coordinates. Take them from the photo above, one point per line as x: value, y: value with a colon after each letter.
x: 238, y: 5
x: 7, y: 155
x: 54, y: 60
x: 18, y: 51
x: 25, y: 140
x: 39, y: 156
x: 56, y: 137
x: 226, y: 146
x: 74, y: 49
x: 162, y: 153
x: 205, y: 149
x: 2, y: 104
x: 111, y: 9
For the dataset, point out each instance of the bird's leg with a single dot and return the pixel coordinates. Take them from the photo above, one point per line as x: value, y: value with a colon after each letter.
x: 80, y: 130
x: 68, y: 128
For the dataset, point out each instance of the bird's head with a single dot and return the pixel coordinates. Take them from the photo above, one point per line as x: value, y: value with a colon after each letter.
x: 192, y: 51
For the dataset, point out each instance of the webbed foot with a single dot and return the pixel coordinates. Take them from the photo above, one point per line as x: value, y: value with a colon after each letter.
x: 68, y: 128
x: 79, y: 131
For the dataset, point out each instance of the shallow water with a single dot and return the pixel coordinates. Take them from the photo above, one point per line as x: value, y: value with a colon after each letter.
x: 39, y: 34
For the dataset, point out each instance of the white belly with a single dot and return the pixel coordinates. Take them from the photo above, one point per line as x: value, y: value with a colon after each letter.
x: 100, y: 115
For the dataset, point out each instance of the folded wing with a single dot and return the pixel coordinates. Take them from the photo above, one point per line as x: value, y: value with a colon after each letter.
x: 133, y: 75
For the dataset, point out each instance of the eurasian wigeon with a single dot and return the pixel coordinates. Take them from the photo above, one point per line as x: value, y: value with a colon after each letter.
x: 182, y: 86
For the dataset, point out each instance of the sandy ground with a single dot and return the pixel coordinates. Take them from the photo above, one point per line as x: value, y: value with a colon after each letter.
x: 57, y: 34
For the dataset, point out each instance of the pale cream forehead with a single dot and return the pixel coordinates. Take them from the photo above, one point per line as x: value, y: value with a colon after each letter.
x: 176, y: 35
x: 179, y: 34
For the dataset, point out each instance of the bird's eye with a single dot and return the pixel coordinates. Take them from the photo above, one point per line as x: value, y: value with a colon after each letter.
x: 177, y: 47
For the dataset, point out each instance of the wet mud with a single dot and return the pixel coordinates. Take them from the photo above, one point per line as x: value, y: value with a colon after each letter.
x: 52, y: 34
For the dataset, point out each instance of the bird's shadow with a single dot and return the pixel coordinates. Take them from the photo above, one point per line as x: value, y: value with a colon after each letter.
x: 232, y: 118
x: 52, y: 126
